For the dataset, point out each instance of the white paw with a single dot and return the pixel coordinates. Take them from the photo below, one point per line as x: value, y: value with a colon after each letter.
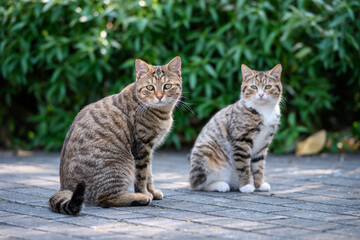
x: 219, y: 187
x: 248, y: 188
x: 265, y: 187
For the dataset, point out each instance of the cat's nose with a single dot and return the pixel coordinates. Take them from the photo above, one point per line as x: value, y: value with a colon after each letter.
x: 159, y: 97
x: 261, y: 95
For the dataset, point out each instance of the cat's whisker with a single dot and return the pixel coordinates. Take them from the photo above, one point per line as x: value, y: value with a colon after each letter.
x: 181, y: 101
x: 182, y: 96
x: 185, y: 105
x: 142, y: 110
x: 181, y: 108
x: 282, y: 103
x: 187, y: 108
x: 139, y: 109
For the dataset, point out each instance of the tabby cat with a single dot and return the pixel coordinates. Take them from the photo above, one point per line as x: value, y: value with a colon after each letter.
x: 110, y: 143
x: 231, y: 149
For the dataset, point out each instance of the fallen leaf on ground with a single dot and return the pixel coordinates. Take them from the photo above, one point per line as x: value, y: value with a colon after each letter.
x: 311, y: 145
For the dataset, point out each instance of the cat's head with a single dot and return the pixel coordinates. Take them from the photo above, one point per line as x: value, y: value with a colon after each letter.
x: 261, y: 87
x: 158, y: 86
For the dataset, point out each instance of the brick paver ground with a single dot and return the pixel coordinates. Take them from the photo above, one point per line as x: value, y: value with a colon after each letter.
x: 311, y: 198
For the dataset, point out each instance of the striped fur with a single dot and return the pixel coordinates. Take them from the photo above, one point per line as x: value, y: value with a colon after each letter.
x: 110, y: 143
x: 68, y: 202
x: 231, y: 149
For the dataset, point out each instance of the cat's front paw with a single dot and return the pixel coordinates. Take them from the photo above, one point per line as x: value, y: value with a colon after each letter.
x: 141, y: 200
x: 158, y: 195
x: 248, y: 188
x: 149, y: 194
x: 264, y: 187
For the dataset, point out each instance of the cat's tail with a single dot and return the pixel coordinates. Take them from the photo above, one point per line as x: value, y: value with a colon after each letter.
x: 68, y: 202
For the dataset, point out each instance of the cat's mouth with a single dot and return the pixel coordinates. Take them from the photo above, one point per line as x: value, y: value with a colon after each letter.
x: 262, y: 100
x: 159, y: 103
x: 163, y: 103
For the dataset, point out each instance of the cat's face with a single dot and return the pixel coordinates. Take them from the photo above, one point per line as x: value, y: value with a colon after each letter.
x: 159, y: 86
x: 261, y: 88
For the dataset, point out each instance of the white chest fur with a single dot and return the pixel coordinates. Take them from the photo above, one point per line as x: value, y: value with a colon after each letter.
x: 271, y: 118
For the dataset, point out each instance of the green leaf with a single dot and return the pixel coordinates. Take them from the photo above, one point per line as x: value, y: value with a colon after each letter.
x: 48, y: 5
x: 192, y: 80
x: 17, y: 26
x: 24, y: 65
x: 269, y: 42
x: 210, y: 70
x: 352, y: 41
x: 55, y: 75
x: 303, y: 52
x: 214, y: 15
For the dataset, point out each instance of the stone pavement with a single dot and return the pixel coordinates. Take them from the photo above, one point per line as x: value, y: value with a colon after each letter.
x: 311, y: 198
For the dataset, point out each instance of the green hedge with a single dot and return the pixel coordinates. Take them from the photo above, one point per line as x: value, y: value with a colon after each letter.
x: 56, y: 56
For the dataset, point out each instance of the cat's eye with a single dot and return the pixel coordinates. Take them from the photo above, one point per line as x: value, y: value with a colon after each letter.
x: 268, y: 86
x: 253, y: 86
x: 150, y: 87
x: 167, y: 86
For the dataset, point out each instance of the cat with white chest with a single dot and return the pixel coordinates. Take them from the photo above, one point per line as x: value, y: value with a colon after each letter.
x: 231, y: 149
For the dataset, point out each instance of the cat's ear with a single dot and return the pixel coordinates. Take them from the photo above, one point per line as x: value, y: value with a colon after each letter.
x: 174, y: 65
x: 276, y: 71
x: 141, y: 67
x: 246, y: 72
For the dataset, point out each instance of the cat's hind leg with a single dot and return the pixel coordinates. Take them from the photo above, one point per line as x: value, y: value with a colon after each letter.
x: 124, y: 200
x: 113, y: 190
x: 198, y: 174
x: 217, y: 187
x: 206, y: 177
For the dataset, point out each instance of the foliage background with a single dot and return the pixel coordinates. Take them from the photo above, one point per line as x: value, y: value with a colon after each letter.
x: 56, y: 56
